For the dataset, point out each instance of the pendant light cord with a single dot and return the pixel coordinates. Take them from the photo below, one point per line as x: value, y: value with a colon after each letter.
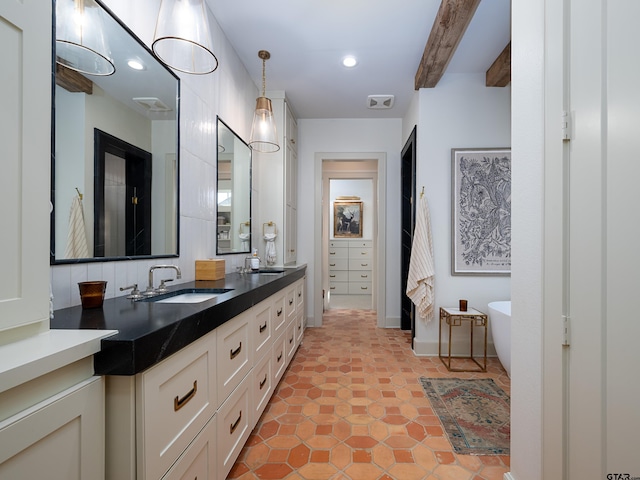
x: 264, y: 55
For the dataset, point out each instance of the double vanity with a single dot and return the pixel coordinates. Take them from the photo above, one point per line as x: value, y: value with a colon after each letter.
x: 186, y: 381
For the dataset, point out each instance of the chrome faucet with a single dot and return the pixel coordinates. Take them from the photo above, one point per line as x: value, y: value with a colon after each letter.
x: 150, y: 289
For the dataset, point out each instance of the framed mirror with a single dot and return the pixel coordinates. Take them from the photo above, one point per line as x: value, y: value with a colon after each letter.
x: 233, y: 209
x: 115, y: 155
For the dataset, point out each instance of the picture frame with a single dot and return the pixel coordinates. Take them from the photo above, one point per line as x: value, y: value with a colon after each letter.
x: 347, y: 219
x: 481, y: 211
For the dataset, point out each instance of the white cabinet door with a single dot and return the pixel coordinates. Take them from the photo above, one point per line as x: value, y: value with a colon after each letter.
x: 25, y: 133
x: 235, y: 358
x: 199, y: 460
x: 61, y: 438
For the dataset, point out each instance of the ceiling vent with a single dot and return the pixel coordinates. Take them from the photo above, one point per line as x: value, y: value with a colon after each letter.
x: 152, y: 104
x: 380, y: 101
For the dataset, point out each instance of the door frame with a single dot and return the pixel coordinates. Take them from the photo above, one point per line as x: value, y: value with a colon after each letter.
x: 379, y: 232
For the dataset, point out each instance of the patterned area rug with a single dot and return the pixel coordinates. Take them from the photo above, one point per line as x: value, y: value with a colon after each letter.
x: 474, y: 413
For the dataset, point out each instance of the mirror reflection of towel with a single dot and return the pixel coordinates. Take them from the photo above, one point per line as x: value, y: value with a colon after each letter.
x: 421, y: 278
x: 77, y: 238
x: 270, y: 248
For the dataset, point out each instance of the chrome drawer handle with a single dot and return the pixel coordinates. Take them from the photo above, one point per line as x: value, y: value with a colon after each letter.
x: 263, y: 327
x: 234, y: 425
x: 178, y: 402
x: 263, y: 381
x: 234, y: 353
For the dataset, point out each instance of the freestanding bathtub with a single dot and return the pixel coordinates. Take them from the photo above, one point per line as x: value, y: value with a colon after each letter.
x: 500, y: 320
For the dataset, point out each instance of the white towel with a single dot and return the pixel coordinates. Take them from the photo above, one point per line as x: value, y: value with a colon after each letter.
x: 270, y: 248
x: 421, y: 278
x: 77, y: 238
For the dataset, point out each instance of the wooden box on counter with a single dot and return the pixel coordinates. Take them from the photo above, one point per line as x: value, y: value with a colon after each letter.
x: 212, y: 269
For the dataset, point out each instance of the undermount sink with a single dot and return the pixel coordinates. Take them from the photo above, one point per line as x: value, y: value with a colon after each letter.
x: 273, y: 271
x: 189, y: 295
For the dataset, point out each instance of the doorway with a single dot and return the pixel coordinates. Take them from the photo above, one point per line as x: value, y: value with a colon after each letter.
x: 366, y: 165
x: 408, y: 178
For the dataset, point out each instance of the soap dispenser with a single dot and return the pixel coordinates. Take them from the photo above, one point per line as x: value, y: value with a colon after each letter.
x: 255, y: 260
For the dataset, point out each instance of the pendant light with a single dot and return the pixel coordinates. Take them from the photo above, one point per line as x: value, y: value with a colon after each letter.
x: 81, y: 40
x: 264, y: 137
x: 182, y: 39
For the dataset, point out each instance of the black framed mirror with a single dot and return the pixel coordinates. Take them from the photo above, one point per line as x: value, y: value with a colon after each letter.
x: 115, y: 155
x: 233, y: 206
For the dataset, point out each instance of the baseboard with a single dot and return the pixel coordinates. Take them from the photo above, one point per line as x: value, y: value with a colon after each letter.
x: 392, y: 322
x: 508, y: 476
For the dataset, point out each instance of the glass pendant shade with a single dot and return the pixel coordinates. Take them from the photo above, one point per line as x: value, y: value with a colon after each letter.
x: 81, y: 40
x: 263, y: 130
x: 182, y: 39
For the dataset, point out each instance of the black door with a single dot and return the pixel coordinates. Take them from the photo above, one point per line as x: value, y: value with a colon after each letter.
x: 408, y: 175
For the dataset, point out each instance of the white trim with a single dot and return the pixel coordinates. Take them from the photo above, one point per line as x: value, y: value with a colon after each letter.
x: 508, y: 476
x: 380, y: 233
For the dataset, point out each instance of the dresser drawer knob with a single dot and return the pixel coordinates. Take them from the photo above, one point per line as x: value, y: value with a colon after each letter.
x: 234, y: 353
x: 178, y: 402
x: 234, y: 425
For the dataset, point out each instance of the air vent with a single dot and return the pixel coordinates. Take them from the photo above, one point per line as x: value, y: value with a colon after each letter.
x: 380, y: 101
x: 152, y: 104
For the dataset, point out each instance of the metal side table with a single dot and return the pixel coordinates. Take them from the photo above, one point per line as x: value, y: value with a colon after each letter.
x: 453, y: 317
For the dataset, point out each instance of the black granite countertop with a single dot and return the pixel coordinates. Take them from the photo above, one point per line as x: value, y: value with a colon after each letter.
x: 149, y: 332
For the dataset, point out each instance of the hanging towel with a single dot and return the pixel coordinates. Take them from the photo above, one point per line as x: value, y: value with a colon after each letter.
x: 77, y: 238
x: 421, y: 278
x: 270, y: 248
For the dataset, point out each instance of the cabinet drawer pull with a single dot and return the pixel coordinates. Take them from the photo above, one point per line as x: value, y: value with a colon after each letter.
x: 299, y: 294
x: 299, y: 326
x: 291, y: 339
x: 332, y: 276
x: 364, y: 288
x: 363, y: 253
x: 279, y: 312
x: 364, y: 276
x: 332, y: 264
x: 291, y: 302
x: 234, y: 353
x: 263, y: 327
x: 364, y: 264
x: 263, y: 381
x: 279, y: 357
x: 332, y: 288
x: 234, y: 425
x: 178, y: 402
x: 332, y: 253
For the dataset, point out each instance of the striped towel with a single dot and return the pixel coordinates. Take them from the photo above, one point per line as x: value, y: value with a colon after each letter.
x: 77, y: 238
x: 421, y: 278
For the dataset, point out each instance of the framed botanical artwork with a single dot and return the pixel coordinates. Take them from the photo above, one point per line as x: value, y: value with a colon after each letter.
x: 481, y: 211
x: 347, y: 219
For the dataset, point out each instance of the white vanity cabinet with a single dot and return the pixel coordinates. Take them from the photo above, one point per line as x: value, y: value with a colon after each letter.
x: 59, y: 438
x: 350, y: 267
x: 190, y: 415
x: 276, y: 181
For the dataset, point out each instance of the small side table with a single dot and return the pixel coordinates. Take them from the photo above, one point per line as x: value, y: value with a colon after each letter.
x: 454, y: 318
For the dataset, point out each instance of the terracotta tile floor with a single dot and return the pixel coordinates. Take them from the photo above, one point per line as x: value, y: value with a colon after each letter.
x: 350, y: 406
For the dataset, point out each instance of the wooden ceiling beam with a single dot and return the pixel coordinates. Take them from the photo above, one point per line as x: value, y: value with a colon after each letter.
x: 499, y: 73
x: 72, y: 81
x: 448, y: 29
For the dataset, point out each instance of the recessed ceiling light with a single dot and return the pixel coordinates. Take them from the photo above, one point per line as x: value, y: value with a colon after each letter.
x: 135, y: 64
x: 349, y: 61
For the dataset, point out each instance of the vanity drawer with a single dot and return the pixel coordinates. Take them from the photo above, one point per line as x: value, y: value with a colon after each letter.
x: 279, y: 316
x: 360, y: 264
x: 279, y: 358
x: 290, y: 305
x: 338, y: 252
x: 198, y: 461
x: 360, y: 288
x: 360, y: 276
x: 261, y: 328
x: 338, y: 264
x: 262, y: 385
x: 290, y: 338
x: 338, y: 276
x: 299, y: 328
x: 176, y: 399
x: 234, y: 426
x: 339, y: 288
x: 300, y: 295
x: 234, y: 356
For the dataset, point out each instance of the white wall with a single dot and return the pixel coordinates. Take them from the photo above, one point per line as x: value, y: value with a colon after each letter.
x: 459, y: 113
x: 228, y: 92
x: 349, y: 136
